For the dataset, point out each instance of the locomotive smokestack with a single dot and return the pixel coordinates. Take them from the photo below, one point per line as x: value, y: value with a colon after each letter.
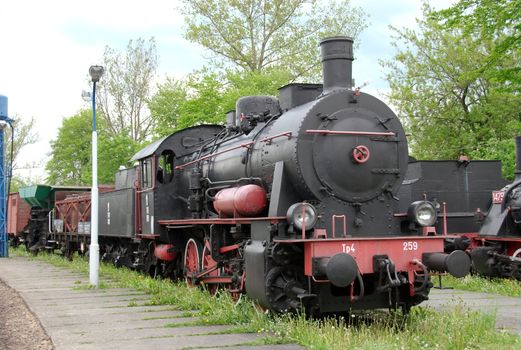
x: 337, y: 62
x: 518, y: 158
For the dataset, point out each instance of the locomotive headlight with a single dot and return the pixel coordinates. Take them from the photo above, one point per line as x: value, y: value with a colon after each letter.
x: 302, y: 215
x: 423, y: 213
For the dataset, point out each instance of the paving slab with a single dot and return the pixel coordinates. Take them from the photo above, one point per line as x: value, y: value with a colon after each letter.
x: 222, y: 341
x: 115, y: 318
x: 506, y: 309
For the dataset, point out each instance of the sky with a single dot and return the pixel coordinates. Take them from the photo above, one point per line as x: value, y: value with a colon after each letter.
x: 48, y: 46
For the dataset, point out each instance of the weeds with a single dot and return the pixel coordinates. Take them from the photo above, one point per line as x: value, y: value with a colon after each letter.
x: 457, y: 328
x: 475, y: 283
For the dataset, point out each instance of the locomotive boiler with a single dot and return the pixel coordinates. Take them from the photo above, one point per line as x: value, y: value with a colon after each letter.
x: 295, y: 202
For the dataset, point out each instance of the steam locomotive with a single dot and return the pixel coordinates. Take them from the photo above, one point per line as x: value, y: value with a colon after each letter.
x: 485, y: 213
x: 296, y: 202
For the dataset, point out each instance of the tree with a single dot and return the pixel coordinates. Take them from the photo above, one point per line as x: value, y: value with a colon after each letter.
x: 444, y: 103
x: 125, y: 88
x: 498, y: 20
x: 24, y: 135
x: 205, y: 96
x: 70, y: 162
x: 166, y: 105
x: 258, y: 34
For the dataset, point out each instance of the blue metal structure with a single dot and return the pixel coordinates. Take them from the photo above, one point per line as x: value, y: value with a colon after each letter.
x: 4, y: 119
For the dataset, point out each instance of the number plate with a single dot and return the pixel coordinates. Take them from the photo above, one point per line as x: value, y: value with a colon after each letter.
x: 497, y: 197
x: 410, y: 245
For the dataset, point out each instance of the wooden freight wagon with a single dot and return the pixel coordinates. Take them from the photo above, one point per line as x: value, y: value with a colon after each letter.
x: 18, y: 216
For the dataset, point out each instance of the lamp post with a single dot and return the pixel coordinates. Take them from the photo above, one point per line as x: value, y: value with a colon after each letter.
x: 95, y: 73
x: 4, y: 119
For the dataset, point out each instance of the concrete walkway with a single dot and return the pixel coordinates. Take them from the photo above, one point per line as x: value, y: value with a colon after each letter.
x: 506, y: 309
x: 80, y: 319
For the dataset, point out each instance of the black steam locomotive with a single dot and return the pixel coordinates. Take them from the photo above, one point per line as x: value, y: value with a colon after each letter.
x: 482, y: 213
x: 296, y: 202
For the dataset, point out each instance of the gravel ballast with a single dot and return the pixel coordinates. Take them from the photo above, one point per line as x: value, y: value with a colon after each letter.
x: 20, y: 329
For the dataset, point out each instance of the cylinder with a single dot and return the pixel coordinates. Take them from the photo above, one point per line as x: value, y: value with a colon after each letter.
x: 165, y: 252
x: 456, y: 263
x: 337, y: 62
x: 245, y: 201
x: 518, y: 158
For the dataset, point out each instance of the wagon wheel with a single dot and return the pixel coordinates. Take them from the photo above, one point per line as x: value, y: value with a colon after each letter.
x: 69, y: 251
x: 207, y: 262
x: 192, y: 261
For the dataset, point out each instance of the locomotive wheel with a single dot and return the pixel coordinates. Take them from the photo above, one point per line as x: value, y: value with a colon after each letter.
x: 281, y: 283
x: 192, y: 260
x: 207, y: 262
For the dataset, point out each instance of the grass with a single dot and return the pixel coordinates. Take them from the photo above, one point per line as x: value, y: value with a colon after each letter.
x: 458, y: 328
x: 474, y: 283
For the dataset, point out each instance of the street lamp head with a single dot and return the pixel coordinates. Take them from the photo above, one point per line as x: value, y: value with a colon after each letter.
x: 96, y: 72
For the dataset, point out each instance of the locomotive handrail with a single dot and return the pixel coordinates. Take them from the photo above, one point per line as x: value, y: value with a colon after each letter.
x: 333, y: 224
x: 270, y: 138
x: 334, y: 132
x: 221, y: 221
x: 208, y: 156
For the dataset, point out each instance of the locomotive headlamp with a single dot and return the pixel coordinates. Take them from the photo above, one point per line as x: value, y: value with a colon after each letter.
x: 302, y: 215
x: 423, y: 213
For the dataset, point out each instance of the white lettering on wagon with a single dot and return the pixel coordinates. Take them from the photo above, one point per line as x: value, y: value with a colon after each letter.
x: 410, y: 245
x: 348, y: 248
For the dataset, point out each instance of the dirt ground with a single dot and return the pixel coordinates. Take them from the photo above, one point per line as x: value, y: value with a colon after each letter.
x: 19, y: 328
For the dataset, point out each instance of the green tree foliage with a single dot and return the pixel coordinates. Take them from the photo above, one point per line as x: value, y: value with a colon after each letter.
x: 497, y: 20
x: 166, y: 105
x: 259, y: 34
x: 448, y: 107
x: 24, y: 134
x: 70, y: 162
x: 205, y: 96
x: 17, y: 183
x: 125, y: 88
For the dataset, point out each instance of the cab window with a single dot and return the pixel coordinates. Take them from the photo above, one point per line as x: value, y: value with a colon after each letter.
x: 165, y: 167
x: 146, y: 173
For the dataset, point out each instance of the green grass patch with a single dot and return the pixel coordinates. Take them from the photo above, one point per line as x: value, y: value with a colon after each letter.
x: 457, y: 328
x: 475, y: 283
x: 101, y: 285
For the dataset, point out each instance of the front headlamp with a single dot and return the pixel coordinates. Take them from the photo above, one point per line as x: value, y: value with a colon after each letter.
x: 422, y: 213
x: 302, y: 215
